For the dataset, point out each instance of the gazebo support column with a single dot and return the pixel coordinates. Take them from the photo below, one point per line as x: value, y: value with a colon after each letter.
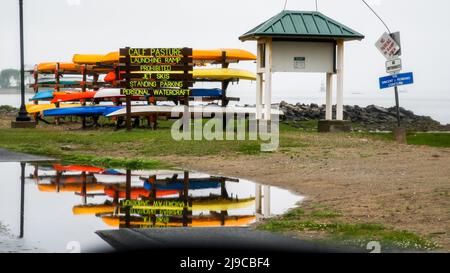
x: 259, y: 92
x: 268, y: 81
x: 329, y: 99
x: 340, y: 81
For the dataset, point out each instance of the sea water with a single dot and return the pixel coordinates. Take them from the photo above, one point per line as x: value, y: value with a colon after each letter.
x: 435, y: 105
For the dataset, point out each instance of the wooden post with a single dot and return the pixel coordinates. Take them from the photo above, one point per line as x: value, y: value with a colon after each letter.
x: 340, y: 81
x: 83, y: 89
x: 57, y: 89
x: 329, y: 99
x: 128, y: 97
x: 186, y: 198
x: 36, y: 89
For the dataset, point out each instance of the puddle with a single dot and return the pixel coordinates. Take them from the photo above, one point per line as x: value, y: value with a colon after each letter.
x: 63, y: 205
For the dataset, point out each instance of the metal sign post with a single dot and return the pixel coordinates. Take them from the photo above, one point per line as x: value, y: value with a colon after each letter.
x: 395, y: 80
x: 389, y: 45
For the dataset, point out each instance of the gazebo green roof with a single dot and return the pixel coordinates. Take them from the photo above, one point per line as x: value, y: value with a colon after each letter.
x: 291, y: 24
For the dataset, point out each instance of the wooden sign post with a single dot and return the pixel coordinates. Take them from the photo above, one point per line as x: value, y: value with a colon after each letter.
x: 165, y: 72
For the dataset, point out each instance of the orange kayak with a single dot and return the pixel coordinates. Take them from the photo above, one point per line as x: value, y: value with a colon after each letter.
x: 51, y: 67
x: 136, y: 192
x: 77, y: 168
x: 78, y: 187
x: 73, y: 96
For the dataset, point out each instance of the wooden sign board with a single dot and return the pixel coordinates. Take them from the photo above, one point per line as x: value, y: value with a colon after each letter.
x: 179, y: 92
x: 165, y: 72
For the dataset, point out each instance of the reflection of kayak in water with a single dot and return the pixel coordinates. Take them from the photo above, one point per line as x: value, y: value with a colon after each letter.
x: 222, y: 204
x: 78, y: 187
x: 116, y: 178
x: 93, y: 209
x: 195, y: 221
x: 136, y: 192
x: 217, y: 204
x: 193, y: 185
x: 77, y: 168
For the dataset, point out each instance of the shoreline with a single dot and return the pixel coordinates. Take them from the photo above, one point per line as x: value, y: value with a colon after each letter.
x: 364, y: 178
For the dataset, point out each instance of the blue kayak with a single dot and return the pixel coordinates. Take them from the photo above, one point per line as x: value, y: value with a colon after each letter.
x: 206, y: 92
x: 82, y: 111
x: 43, y: 95
x: 193, y: 185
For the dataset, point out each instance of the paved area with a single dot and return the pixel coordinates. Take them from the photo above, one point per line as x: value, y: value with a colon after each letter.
x: 210, y: 238
x: 9, y: 156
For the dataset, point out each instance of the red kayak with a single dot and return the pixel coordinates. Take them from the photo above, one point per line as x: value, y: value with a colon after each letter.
x: 73, y: 96
x: 137, y: 192
x: 77, y: 168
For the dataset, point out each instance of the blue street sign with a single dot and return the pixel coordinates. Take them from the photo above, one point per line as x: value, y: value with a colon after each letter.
x: 396, y: 80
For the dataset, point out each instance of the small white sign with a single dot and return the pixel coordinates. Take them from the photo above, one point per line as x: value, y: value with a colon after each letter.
x: 394, y: 66
x: 299, y: 62
x: 387, y: 46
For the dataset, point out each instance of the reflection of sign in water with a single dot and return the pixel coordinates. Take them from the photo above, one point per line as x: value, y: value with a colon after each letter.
x: 299, y: 62
x: 156, y: 205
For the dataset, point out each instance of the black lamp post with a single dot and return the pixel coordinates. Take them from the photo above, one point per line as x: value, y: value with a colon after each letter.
x: 23, y: 115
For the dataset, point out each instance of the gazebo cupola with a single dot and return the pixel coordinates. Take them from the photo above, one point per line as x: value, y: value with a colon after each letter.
x: 300, y: 41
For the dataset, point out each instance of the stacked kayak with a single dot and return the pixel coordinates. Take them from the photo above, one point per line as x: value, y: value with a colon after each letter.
x: 83, y: 111
x: 75, y: 96
x: 212, y: 74
x: 223, y: 74
x: 199, y: 56
x: 143, y: 110
x: 36, y: 108
x: 195, y: 221
x: 193, y: 185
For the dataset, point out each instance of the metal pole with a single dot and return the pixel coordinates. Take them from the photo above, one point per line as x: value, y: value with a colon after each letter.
x: 22, y: 116
x: 397, y: 106
x: 22, y: 198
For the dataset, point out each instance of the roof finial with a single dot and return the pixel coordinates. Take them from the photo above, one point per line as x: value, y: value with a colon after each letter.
x: 285, y: 4
x: 317, y: 7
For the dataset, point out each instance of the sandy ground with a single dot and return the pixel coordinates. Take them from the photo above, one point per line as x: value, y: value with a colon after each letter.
x: 400, y: 186
x: 368, y: 181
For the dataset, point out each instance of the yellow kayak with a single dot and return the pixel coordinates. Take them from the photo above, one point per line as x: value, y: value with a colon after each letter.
x: 197, y: 221
x: 223, y: 74
x: 222, y: 204
x: 200, y: 56
x: 36, y: 108
x: 112, y: 57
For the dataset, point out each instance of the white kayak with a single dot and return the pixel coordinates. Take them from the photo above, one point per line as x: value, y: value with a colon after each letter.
x: 108, y: 93
x: 207, y: 109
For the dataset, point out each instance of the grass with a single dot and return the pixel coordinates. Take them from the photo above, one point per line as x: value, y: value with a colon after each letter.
x: 354, y: 234
x: 429, y: 139
x: 136, y: 148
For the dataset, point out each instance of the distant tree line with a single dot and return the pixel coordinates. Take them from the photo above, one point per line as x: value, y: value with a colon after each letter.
x: 9, y: 78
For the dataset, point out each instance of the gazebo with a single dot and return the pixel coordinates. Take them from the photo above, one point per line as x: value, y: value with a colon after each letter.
x: 301, y: 41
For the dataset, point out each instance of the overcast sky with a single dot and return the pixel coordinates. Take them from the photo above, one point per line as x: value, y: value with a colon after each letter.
x: 56, y: 29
